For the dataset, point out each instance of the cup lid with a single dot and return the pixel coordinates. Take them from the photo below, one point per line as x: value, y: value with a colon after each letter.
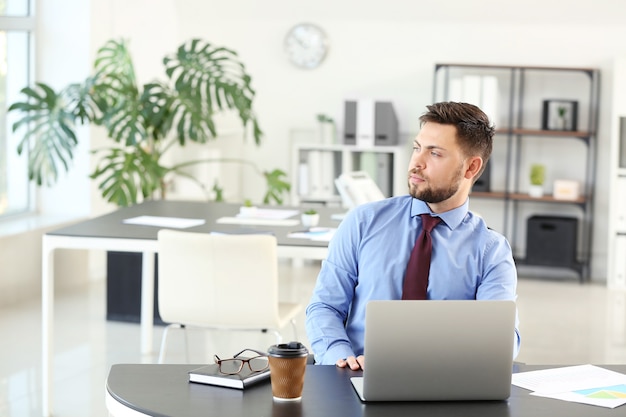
x: 288, y: 350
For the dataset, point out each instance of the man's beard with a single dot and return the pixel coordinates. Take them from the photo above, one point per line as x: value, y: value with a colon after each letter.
x: 437, y: 195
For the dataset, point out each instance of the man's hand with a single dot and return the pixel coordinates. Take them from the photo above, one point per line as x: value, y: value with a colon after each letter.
x: 353, y: 363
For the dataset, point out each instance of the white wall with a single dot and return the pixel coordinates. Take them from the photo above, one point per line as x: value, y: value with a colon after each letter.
x: 388, y: 49
x: 382, y: 49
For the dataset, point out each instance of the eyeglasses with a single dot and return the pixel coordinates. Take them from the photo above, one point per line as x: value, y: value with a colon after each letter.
x: 234, y: 365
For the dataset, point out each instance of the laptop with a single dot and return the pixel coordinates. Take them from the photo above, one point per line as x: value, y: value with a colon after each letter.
x: 430, y: 350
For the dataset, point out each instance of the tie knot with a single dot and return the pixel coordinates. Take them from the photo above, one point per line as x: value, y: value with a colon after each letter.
x: 429, y: 222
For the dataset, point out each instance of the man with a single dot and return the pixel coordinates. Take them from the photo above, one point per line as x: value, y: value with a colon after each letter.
x: 368, y: 255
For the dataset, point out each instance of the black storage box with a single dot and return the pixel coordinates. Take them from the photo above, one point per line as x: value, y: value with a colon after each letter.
x: 552, y: 241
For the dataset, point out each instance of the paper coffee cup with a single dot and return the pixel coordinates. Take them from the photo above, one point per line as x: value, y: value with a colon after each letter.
x: 287, y: 367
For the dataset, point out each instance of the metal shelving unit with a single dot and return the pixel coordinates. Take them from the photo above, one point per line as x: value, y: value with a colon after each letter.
x: 521, y: 136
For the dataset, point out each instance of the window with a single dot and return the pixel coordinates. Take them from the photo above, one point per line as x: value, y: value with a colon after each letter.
x: 16, y: 33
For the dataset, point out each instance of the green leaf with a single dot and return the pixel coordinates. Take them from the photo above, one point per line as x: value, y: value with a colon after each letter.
x: 48, y: 131
x: 208, y: 79
x: 124, y: 175
x: 117, y: 95
x: 275, y: 186
x: 219, y: 192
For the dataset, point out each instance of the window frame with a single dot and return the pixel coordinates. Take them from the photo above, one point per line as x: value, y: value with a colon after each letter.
x: 26, y: 24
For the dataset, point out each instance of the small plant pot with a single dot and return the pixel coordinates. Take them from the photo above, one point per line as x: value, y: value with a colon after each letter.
x: 310, y: 220
x: 247, y: 211
x: 535, y: 191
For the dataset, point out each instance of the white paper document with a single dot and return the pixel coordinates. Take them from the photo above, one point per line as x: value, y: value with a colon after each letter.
x: 172, y: 222
x: 275, y: 214
x: 587, y: 384
x: 322, y: 234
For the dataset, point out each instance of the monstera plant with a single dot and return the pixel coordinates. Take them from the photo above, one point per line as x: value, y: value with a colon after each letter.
x: 143, y: 122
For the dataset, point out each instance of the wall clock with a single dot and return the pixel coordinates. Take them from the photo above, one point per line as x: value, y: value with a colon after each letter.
x: 306, y: 45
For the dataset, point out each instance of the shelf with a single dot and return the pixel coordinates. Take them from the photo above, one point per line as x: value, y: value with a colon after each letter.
x: 519, y: 67
x: 491, y: 194
x: 549, y: 133
x: 335, y: 147
x: 525, y: 197
x: 317, y: 165
x: 577, y: 266
x: 546, y: 199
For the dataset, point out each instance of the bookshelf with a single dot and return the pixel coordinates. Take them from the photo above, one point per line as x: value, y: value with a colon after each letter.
x: 315, y: 166
x: 518, y: 99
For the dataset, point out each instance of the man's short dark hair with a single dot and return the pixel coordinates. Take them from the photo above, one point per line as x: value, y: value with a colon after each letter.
x: 474, y: 130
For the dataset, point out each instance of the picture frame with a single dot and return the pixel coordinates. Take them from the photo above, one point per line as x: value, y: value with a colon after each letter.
x: 560, y: 114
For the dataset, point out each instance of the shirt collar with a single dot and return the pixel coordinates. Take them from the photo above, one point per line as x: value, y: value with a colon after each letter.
x: 452, y: 218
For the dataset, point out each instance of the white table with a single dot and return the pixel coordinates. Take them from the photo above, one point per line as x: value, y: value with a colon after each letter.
x: 109, y: 233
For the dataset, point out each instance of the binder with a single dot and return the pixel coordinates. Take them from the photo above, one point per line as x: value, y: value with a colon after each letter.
x: 365, y: 123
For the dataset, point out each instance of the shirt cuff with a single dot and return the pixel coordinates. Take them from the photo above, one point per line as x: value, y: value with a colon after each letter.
x: 332, y: 355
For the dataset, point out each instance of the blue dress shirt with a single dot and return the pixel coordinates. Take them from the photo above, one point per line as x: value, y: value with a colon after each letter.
x: 367, y: 259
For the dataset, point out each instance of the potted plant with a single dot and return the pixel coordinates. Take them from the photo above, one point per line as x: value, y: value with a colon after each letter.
x: 562, y: 114
x: 143, y: 121
x: 247, y: 209
x: 327, y: 128
x: 310, y: 218
x: 537, y: 178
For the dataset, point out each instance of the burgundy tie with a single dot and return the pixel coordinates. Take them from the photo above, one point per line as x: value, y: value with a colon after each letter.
x: 416, y: 276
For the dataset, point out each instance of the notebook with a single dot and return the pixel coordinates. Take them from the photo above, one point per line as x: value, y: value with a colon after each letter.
x: 430, y: 350
x: 210, y: 374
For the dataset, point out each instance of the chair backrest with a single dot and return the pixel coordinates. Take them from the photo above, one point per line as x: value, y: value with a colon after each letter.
x: 215, y: 280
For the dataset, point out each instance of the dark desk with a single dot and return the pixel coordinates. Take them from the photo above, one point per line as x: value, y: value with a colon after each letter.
x: 163, y: 390
x: 109, y: 233
x: 111, y: 226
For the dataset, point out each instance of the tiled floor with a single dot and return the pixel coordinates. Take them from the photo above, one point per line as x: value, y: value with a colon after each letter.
x: 562, y: 322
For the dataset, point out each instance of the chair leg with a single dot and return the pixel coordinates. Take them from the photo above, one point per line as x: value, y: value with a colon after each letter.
x: 295, y: 329
x: 182, y: 326
x: 163, y: 343
x: 279, y: 337
x: 164, y: 340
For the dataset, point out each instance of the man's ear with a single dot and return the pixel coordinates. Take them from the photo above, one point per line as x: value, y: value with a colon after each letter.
x: 475, y: 164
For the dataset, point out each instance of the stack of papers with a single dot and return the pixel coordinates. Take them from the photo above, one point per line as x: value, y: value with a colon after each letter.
x: 587, y: 384
x: 263, y: 217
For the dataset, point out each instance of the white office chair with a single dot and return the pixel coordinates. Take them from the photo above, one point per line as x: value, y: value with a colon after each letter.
x: 220, y: 282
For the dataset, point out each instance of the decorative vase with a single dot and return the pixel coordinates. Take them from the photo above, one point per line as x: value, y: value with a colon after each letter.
x: 310, y: 220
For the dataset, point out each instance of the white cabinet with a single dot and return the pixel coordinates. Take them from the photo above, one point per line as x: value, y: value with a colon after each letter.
x: 315, y: 166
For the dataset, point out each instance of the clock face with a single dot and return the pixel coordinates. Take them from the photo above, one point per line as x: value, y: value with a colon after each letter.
x: 306, y: 45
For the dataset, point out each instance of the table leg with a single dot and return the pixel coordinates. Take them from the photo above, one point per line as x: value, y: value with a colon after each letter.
x: 147, y: 302
x: 47, y: 325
